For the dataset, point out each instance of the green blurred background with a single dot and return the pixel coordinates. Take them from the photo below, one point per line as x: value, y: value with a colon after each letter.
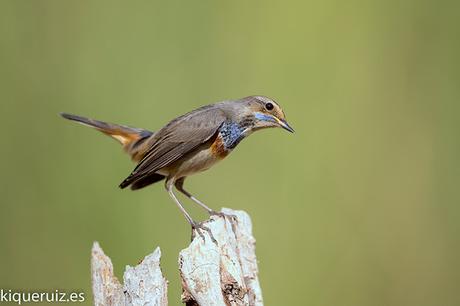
x: 359, y: 207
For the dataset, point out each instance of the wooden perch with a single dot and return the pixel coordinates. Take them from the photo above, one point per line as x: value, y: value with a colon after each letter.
x: 143, y: 284
x: 222, y: 273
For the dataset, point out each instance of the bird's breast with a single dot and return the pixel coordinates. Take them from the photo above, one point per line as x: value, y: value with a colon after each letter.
x: 228, y: 137
x: 218, y: 148
x: 230, y: 134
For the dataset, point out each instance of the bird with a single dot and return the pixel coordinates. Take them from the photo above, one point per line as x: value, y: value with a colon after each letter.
x: 190, y: 143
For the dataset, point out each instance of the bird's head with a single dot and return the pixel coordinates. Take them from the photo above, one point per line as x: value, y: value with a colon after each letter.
x: 265, y: 113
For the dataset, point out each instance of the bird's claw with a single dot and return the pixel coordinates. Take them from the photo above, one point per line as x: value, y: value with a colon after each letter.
x: 223, y: 215
x: 232, y: 218
x: 199, y: 228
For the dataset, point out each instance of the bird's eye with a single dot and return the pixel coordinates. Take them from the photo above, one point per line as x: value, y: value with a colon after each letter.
x: 269, y: 106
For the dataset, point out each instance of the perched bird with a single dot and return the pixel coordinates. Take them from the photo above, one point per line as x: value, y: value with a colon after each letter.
x: 190, y: 143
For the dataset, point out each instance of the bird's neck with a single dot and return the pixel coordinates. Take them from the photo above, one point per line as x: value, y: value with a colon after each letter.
x: 232, y: 132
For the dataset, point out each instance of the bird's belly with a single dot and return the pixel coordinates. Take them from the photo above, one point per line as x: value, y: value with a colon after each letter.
x: 197, y: 161
x: 200, y: 159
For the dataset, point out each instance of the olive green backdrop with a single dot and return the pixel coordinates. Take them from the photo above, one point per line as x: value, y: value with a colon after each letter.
x: 359, y: 207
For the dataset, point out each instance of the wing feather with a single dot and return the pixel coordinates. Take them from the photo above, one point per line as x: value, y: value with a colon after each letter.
x: 176, y: 139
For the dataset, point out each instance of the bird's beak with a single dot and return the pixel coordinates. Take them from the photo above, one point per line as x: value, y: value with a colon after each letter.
x: 283, y: 123
x: 270, y: 118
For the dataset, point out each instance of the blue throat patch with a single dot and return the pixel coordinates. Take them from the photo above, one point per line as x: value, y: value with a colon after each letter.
x: 232, y: 134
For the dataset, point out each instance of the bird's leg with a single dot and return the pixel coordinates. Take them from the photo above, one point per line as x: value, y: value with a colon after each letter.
x: 195, y: 225
x: 180, y: 186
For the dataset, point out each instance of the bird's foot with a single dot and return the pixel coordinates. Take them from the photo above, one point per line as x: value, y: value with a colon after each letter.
x: 232, y: 218
x: 199, y: 228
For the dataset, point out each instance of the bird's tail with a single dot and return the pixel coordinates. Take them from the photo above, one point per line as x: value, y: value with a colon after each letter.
x: 131, y: 138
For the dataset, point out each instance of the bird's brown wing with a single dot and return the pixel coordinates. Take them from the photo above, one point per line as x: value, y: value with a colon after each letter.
x: 176, y: 139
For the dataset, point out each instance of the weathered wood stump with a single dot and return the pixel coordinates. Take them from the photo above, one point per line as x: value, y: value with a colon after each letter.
x: 220, y: 272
